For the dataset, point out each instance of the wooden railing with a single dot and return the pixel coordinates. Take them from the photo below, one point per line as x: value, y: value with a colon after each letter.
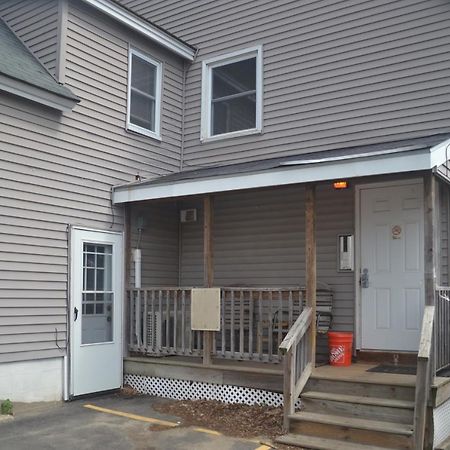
x: 298, y: 361
x: 160, y: 322
x: 254, y: 322
x: 442, y: 329
x: 425, y: 375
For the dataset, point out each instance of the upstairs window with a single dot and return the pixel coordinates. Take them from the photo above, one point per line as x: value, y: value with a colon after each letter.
x: 232, y: 95
x: 144, y: 94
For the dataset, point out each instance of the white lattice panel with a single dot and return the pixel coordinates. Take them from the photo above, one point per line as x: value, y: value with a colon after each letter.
x: 193, y: 390
x: 441, y: 417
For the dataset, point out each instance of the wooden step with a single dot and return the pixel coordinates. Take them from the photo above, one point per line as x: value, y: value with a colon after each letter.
x: 376, y: 408
x: 352, y: 429
x: 318, y: 443
x: 361, y: 388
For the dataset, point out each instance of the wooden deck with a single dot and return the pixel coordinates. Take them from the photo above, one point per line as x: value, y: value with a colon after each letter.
x: 252, y: 374
x: 268, y: 376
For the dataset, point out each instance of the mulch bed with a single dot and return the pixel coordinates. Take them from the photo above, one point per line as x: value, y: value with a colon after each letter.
x: 237, y: 420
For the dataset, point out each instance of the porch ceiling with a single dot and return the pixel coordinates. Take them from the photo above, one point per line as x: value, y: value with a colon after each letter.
x: 394, y: 157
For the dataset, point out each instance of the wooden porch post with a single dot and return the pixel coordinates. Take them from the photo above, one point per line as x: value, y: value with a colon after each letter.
x: 208, y: 269
x: 310, y: 260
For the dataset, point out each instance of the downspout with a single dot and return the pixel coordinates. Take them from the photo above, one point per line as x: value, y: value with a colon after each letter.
x: 186, y: 67
x: 183, y: 109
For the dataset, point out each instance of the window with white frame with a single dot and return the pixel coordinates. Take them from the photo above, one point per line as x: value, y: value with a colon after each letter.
x: 144, y: 94
x: 232, y: 94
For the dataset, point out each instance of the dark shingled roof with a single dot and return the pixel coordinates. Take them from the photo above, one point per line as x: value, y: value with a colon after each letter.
x: 17, y: 62
x: 301, y: 159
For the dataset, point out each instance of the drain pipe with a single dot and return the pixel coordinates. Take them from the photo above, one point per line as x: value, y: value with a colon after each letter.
x: 66, y: 378
x: 137, y: 257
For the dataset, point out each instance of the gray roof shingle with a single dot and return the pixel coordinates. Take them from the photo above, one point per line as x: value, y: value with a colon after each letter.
x: 17, y: 62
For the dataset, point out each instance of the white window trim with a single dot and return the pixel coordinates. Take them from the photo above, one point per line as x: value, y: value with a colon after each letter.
x: 158, y: 93
x: 240, y: 55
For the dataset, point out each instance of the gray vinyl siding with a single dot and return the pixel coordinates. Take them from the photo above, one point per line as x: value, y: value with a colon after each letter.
x: 336, y: 74
x: 259, y: 241
x: 58, y: 170
x: 159, y: 244
x: 96, y: 71
x: 35, y: 22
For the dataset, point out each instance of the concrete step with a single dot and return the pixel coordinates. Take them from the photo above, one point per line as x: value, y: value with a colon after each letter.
x: 376, y: 408
x: 352, y: 429
x: 318, y: 443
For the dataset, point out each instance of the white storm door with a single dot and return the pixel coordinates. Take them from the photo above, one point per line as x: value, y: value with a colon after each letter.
x: 392, y: 299
x: 96, y: 311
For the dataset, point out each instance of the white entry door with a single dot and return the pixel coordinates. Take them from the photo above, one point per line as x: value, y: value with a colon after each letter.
x: 96, y: 311
x: 392, y: 267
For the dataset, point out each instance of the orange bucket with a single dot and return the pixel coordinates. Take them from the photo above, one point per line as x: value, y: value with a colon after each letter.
x: 340, y: 348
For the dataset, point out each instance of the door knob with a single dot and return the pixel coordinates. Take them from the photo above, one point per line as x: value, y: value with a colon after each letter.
x: 75, y: 313
x: 365, y: 278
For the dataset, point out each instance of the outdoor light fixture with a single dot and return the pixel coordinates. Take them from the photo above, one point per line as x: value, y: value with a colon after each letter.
x: 340, y: 184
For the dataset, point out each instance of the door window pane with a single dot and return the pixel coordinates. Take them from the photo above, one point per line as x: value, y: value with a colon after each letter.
x: 97, y: 296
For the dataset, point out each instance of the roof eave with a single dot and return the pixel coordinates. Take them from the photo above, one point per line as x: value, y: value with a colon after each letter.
x: 143, y: 27
x: 36, y: 94
x: 389, y: 163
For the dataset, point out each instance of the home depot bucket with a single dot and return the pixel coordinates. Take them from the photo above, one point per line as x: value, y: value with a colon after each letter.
x: 340, y: 348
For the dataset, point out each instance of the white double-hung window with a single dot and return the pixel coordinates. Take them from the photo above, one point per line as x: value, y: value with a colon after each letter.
x: 144, y: 94
x: 232, y: 94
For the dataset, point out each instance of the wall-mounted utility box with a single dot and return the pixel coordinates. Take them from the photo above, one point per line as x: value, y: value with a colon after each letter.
x: 205, y: 309
x: 346, y: 254
x: 188, y: 215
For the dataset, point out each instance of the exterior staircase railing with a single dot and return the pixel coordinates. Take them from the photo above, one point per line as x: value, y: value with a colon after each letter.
x: 424, y: 378
x: 298, y: 361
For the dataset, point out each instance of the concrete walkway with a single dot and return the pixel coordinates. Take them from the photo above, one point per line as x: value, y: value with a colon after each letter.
x: 108, y: 422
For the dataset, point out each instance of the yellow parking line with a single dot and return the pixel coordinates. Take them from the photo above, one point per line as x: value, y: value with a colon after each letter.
x: 159, y: 422
x: 132, y: 416
x: 205, y: 430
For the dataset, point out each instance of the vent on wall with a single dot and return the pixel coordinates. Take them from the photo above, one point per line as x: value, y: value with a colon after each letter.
x: 188, y: 215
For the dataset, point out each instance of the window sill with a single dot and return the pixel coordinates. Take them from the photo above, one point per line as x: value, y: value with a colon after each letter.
x: 233, y: 134
x: 134, y: 129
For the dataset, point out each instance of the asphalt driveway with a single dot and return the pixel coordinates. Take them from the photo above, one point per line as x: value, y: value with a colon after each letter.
x: 110, y: 422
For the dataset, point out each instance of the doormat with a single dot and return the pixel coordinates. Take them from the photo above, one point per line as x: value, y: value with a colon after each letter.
x: 444, y: 372
x: 392, y: 368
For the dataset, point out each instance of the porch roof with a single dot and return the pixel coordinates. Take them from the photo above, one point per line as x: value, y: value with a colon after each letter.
x: 423, y: 153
